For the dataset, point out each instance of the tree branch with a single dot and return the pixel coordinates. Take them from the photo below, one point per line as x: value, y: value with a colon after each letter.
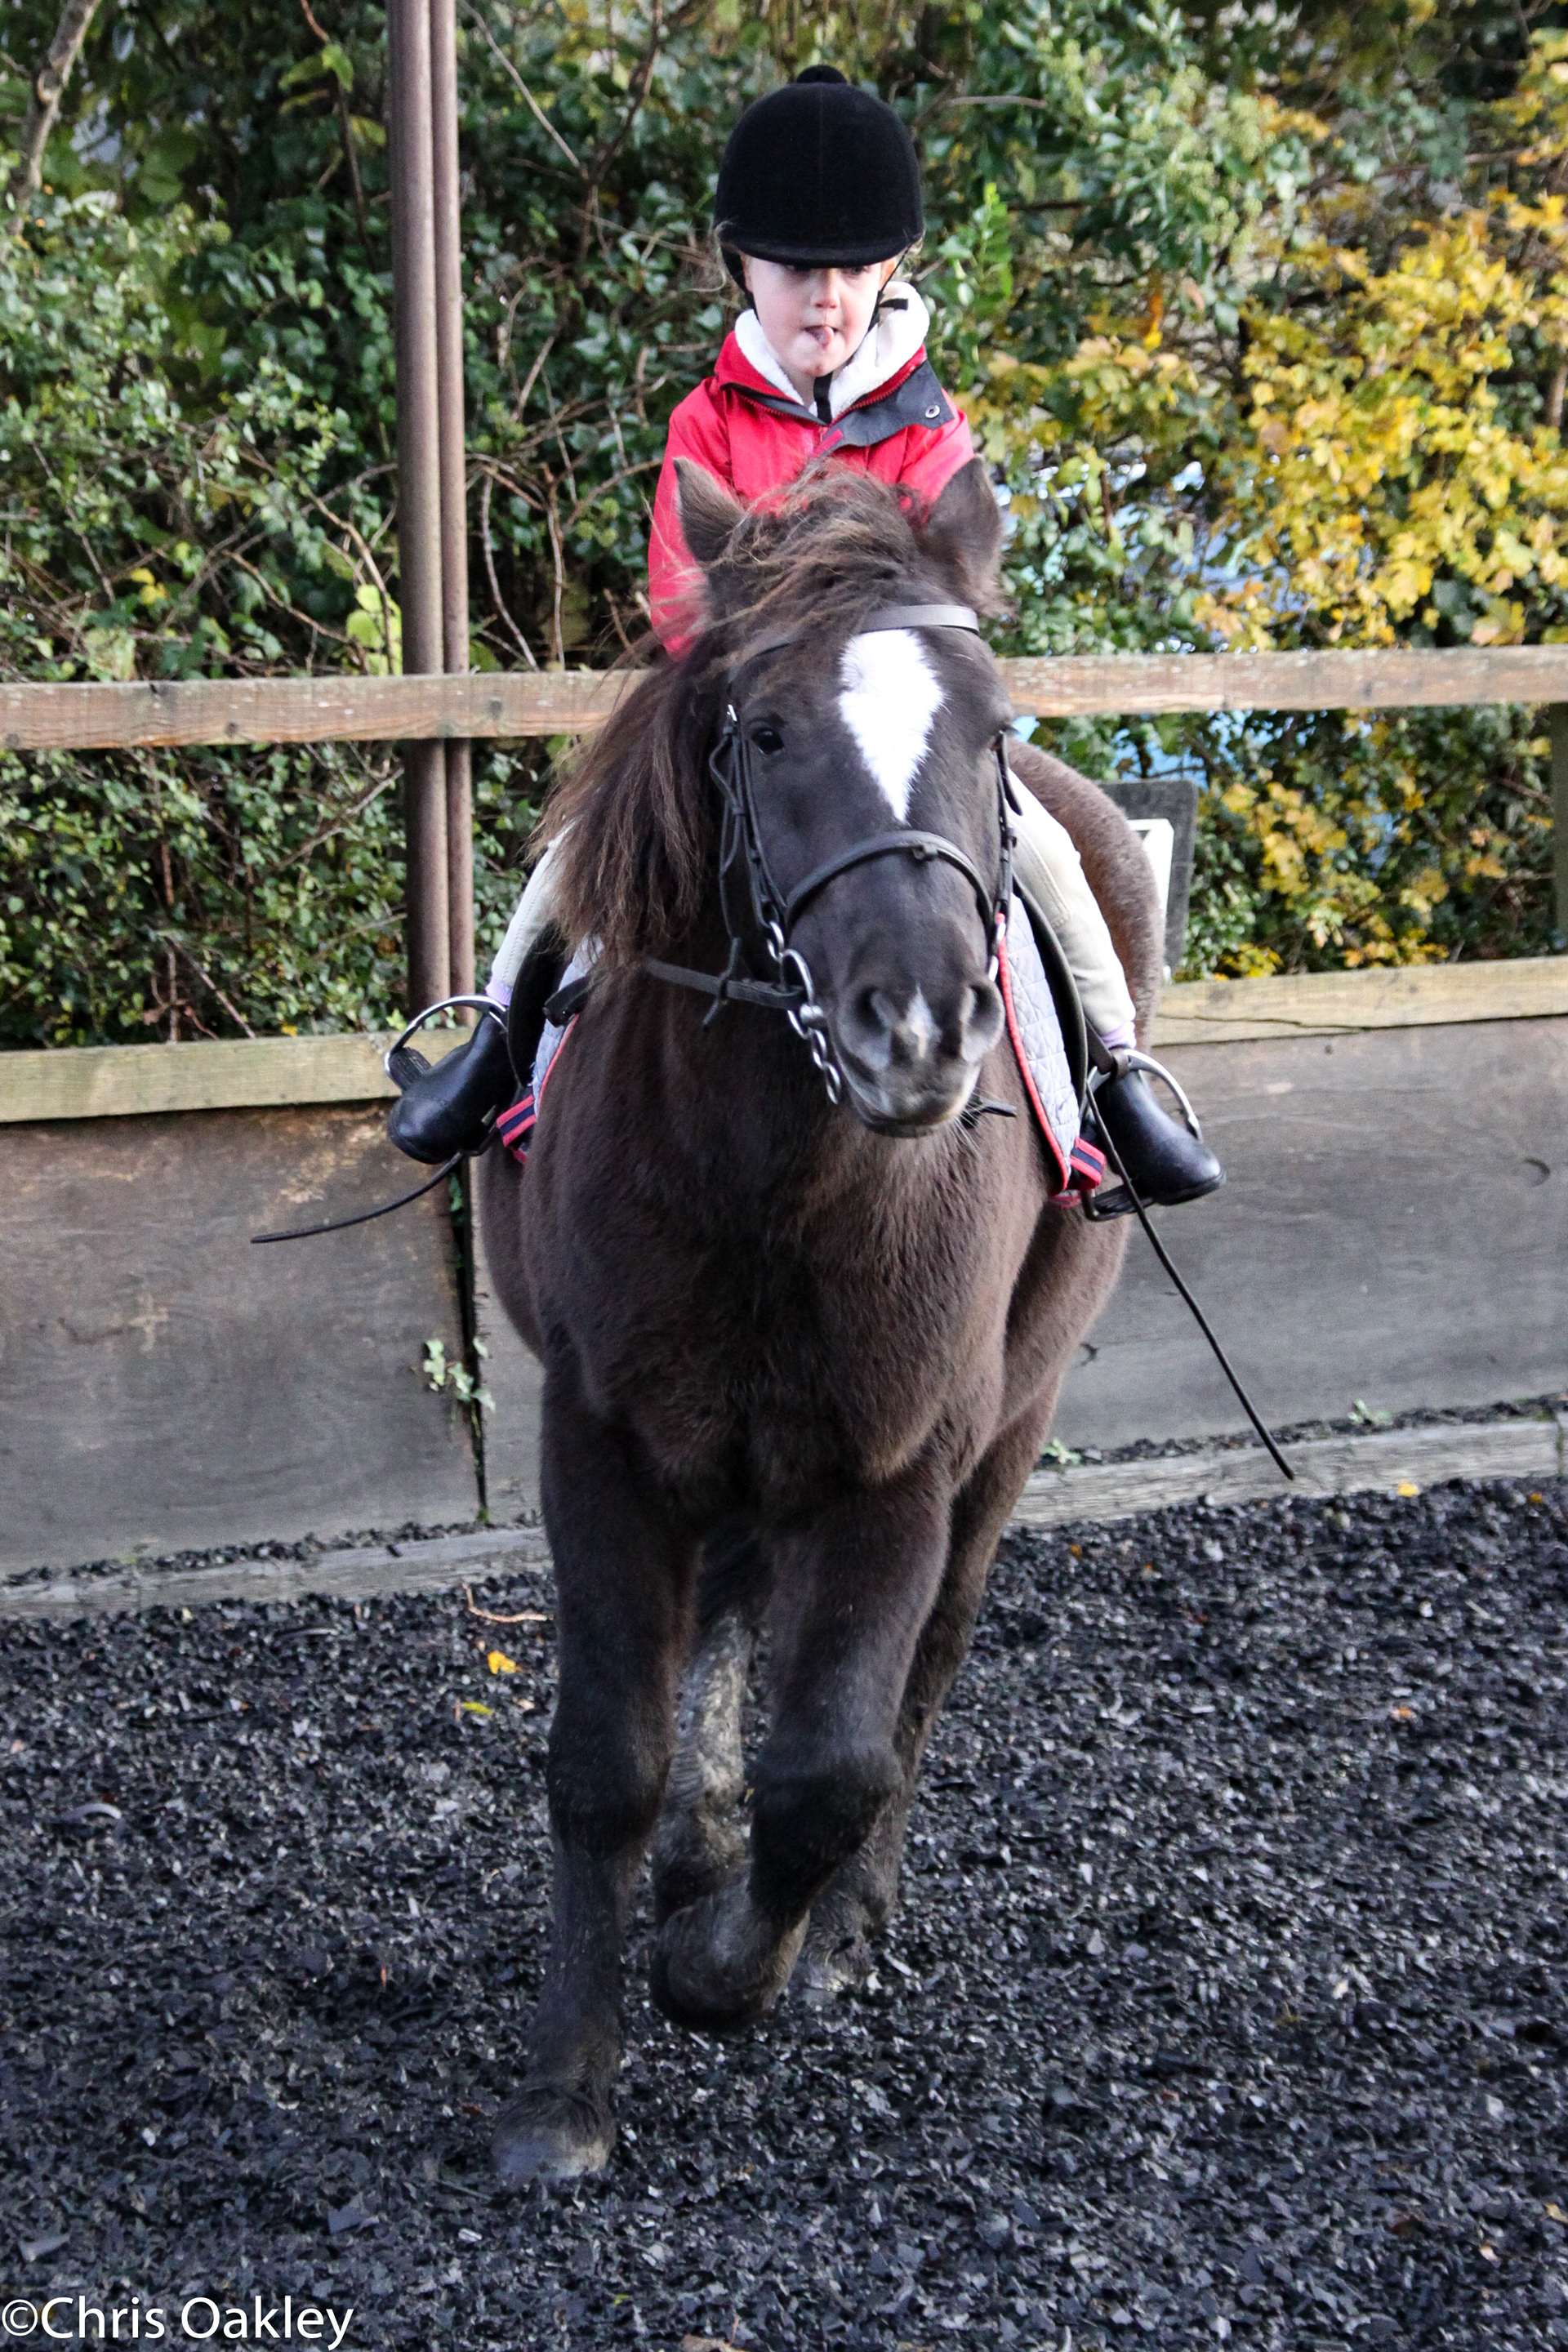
x: 500, y: 604
x: 506, y: 67
x: 202, y: 972
x: 49, y: 89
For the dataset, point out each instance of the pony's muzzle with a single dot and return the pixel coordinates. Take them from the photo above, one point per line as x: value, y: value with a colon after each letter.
x: 910, y: 1063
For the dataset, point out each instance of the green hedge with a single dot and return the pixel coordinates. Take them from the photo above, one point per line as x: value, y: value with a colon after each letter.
x: 197, y: 415
x: 220, y: 893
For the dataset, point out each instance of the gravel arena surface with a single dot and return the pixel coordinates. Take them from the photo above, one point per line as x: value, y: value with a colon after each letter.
x: 1225, y: 2002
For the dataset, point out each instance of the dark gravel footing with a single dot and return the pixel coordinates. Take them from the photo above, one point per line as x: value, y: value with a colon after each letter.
x: 1226, y: 2002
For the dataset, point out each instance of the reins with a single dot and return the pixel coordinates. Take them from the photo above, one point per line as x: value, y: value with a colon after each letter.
x: 366, y: 1216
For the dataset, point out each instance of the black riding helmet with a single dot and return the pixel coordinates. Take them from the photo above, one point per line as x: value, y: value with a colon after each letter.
x: 819, y: 172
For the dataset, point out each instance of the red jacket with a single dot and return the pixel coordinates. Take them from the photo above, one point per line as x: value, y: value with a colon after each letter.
x: 755, y: 437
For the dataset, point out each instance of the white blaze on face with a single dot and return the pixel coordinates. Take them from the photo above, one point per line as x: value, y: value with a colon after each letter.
x: 890, y: 695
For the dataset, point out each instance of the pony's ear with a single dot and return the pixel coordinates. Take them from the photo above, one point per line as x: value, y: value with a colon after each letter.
x: 707, y: 513
x: 964, y: 530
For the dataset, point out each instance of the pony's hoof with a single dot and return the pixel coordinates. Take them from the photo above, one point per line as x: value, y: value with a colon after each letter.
x: 846, y: 1916
x: 719, y: 1965
x: 548, y: 2133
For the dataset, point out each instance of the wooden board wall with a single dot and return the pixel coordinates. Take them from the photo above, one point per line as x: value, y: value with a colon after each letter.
x: 1395, y: 1228
x: 164, y: 1386
x: 234, y: 1074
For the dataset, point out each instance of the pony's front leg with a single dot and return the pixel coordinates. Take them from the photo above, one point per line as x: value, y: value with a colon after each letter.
x: 853, y: 1591
x: 623, y: 1577
x: 860, y: 1902
x: 699, y: 1841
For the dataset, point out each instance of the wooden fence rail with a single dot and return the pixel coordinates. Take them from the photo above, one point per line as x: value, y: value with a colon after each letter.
x: 337, y: 709
x: 451, y: 708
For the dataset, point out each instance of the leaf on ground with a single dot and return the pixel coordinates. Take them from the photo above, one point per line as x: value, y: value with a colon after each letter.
x: 33, y: 2250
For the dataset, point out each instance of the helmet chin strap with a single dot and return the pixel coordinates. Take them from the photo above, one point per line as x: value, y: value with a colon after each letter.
x: 901, y: 301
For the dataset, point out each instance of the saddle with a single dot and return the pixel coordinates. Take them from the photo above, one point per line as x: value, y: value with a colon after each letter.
x: 1049, y: 1037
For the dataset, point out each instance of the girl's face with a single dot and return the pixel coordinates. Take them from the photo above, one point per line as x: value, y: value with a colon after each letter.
x: 814, y: 319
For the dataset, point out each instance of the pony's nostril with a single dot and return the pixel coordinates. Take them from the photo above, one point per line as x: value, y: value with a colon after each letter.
x: 983, y: 1020
x: 872, y: 1019
x: 896, y: 1031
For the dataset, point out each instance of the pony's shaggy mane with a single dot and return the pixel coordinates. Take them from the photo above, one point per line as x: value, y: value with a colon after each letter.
x: 634, y: 812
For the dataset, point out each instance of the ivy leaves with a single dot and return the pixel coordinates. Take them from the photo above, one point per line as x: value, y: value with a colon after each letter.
x: 1260, y: 318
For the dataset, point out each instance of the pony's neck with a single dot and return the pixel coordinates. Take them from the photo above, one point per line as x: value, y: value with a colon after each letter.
x: 741, y: 1090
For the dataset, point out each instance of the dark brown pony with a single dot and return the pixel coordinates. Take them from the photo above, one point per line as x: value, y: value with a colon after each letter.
x: 798, y: 1357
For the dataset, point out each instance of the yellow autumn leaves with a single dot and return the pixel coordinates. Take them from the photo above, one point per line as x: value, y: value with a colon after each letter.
x: 1365, y: 458
x: 1351, y: 434
x: 1373, y: 462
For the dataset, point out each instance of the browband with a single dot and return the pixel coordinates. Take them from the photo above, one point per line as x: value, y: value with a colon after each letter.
x: 920, y: 616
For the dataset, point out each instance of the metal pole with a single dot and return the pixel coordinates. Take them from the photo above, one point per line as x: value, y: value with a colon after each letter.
x: 454, y: 490
x: 418, y: 480
x: 1557, y: 720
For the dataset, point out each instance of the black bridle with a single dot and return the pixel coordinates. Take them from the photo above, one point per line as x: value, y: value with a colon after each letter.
x: 775, y: 911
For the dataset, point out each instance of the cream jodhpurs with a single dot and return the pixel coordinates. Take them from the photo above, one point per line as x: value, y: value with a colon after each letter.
x: 1046, y: 862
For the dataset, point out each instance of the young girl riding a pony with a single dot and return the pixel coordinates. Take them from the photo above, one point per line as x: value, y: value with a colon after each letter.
x: 819, y: 200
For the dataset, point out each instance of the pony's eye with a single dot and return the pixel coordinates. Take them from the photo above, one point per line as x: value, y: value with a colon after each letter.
x: 767, y: 739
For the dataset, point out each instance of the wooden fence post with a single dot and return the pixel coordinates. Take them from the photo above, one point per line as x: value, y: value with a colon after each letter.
x: 419, y: 481
x: 454, y: 479
x: 1557, y: 718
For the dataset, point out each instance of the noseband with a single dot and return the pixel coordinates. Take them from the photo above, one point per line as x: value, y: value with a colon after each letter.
x: 774, y: 912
